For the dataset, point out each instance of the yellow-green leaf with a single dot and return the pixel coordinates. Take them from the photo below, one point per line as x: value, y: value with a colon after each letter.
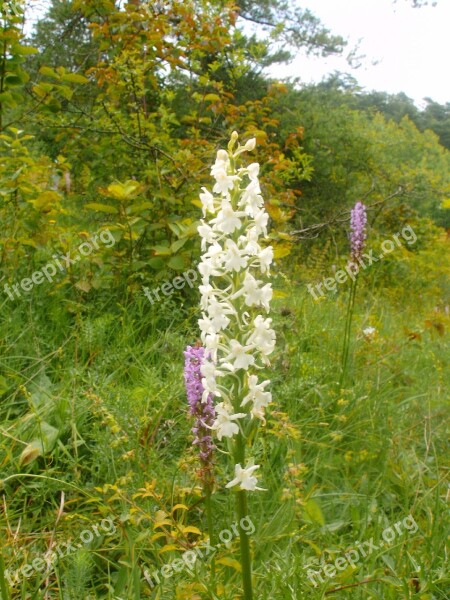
x: 281, y: 249
x: 181, y: 506
x: 74, y: 78
x: 101, y: 207
x: 84, y: 286
x: 124, y: 191
x: 230, y: 562
x: 31, y: 452
x: 212, y: 98
x: 314, y: 512
x: 167, y: 548
x: 48, y: 72
x: 191, y: 529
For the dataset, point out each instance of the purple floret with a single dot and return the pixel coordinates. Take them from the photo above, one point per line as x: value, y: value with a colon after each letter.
x: 203, y: 412
x: 358, y: 222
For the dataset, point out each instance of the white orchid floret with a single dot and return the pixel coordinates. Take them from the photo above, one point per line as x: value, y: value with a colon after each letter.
x: 259, y: 405
x: 206, y: 269
x: 235, y: 258
x: 258, y: 411
x: 222, y: 162
x: 253, y: 171
x: 249, y: 242
x: 251, y: 199
x: 211, y: 342
x: 265, y: 258
x: 255, y: 295
x: 263, y: 337
x: 214, y: 253
x: 256, y: 392
x: 224, y: 182
x: 250, y: 145
x: 209, y: 370
x: 207, y: 200
x: 261, y: 218
x: 212, y: 261
x: 225, y: 425
x: 252, y: 189
x: 238, y: 357
x: 209, y: 387
x: 217, y: 312
x: 258, y: 397
x: 207, y: 293
x: 247, y: 147
x: 227, y: 220
x: 207, y: 233
x: 206, y: 325
x: 244, y: 478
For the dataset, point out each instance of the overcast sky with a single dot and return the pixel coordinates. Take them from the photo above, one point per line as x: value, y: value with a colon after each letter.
x: 409, y: 45
x: 406, y: 49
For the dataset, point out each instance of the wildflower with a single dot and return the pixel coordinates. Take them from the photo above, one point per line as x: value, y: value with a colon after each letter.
x: 358, y: 222
x: 244, y: 478
x: 207, y: 200
x: 369, y: 332
x: 203, y: 411
x: 224, y: 423
x: 234, y: 262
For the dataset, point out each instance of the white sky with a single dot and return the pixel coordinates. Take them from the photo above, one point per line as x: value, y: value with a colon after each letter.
x: 406, y: 49
x: 411, y: 46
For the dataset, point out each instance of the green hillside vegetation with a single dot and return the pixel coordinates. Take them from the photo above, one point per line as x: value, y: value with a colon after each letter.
x: 110, y: 119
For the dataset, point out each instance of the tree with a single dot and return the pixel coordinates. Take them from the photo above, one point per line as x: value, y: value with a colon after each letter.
x: 362, y: 154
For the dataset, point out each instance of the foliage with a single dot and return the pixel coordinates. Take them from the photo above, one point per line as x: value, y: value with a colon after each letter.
x: 108, y: 118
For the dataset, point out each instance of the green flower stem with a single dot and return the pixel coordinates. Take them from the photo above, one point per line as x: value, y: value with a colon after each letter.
x: 3, y: 586
x: 210, y: 520
x: 348, y: 328
x: 242, y: 512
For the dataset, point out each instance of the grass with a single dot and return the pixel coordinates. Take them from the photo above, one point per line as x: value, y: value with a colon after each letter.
x: 93, y: 424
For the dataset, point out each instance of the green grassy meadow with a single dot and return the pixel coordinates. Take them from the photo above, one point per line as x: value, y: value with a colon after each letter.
x: 95, y: 426
x: 121, y: 123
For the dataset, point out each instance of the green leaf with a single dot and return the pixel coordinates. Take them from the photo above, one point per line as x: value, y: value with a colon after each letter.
x: 25, y: 50
x: 177, y: 245
x: 162, y: 250
x: 101, y: 208
x: 74, y: 78
x: 314, y: 512
x: 53, y: 105
x: 40, y: 91
x: 230, y: 562
x: 156, y: 263
x: 124, y: 191
x: 13, y: 80
x: 48, y: 436
x: 65, y: 91
x: 212, y: 98
x: 8, y: 99
x: 176, y: 263
x: 139, y: 207
x: 48, y: 72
